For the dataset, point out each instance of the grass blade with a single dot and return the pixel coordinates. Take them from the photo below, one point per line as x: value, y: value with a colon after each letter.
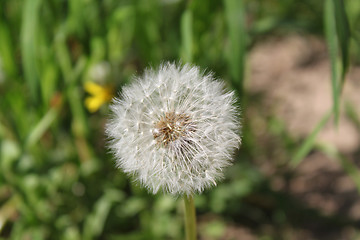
x: 28, y: 45
x: 63, y: 56
x: 343, y: 33
x: 40, y: 128
x: 235, y: 17
x: 352, y: 115
x: 331, y: 38
x: 7, y: 60
x: 186, y: 36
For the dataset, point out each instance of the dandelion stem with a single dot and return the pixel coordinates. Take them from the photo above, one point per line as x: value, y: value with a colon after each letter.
x: 190, y: 218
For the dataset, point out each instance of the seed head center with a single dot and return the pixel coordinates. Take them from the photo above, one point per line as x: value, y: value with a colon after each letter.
x: 171, y: 127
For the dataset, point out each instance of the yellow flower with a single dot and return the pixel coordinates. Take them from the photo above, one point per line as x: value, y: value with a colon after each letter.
x: 99, y: 95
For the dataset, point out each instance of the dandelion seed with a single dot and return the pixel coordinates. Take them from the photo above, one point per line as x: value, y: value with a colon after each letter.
x: 174, y: 129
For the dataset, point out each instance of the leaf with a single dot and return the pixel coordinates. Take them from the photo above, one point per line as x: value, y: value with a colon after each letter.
x: 38, y: 131
x: 186, y: 36
x: 31, y: 11
x: 331, y: 38
x: 235, y: 17
x: 343, y: 34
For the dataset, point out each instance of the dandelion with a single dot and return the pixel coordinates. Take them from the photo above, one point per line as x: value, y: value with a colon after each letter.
x: 100, y: 92
x: 99, y: 95
x: 174, y: 129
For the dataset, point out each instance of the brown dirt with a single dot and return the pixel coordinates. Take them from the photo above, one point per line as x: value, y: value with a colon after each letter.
x: 292, y: 77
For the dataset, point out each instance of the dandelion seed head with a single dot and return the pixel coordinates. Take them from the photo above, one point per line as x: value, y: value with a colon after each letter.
x: 174, y: 129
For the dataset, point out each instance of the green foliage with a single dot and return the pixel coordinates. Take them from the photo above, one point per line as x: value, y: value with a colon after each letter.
x: 57, y: 179
x: 337, y: 36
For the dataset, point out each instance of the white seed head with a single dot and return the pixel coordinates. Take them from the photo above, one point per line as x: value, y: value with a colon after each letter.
x: 174, y: 129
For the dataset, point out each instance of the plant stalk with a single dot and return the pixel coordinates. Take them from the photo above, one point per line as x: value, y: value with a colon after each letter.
x: 190, y: 218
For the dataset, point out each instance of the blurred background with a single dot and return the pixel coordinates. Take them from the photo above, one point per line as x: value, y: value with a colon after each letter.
x: 293, y: 64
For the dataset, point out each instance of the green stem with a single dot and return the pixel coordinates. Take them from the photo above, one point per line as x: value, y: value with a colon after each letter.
x: 190, y: 218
